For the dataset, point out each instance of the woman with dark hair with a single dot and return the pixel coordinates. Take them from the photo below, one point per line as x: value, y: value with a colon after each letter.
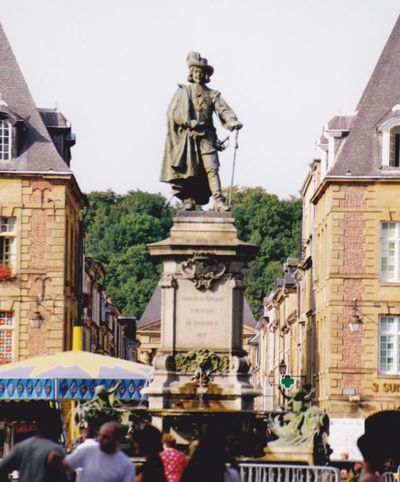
x: 148, y: 441
x: 211, y: 461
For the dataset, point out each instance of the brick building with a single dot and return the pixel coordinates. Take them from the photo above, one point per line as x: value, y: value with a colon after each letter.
x: 40, y: 231
x: 345, y: 339
x: 104, y: 329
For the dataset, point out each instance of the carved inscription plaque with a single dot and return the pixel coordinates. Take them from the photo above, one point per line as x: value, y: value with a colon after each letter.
x: 203, y: 317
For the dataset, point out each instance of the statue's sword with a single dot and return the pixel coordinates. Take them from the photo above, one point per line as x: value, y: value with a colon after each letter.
x: 233, y: 167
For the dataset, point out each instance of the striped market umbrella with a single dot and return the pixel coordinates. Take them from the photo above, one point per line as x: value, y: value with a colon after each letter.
x: 72, y: 375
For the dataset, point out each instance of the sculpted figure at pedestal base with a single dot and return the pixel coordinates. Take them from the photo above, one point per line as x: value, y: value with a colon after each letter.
x: 190, y: 161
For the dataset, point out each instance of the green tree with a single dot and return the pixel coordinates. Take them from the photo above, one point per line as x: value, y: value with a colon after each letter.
x: 275, y: 226
x: 119, y: 227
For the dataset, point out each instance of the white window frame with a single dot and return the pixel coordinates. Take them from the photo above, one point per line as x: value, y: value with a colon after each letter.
x: 394, y: 132
x: 389, y: 248
x: 5, y: 133
x: 386, y: 130
x: 8, y: 233
x: 389, y: 342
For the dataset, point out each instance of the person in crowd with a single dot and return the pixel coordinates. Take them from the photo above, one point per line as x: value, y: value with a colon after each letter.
x: 104, y: 461
x: 33, y: 457
x: 148, y: 442
x: 211, y: 461
x: 88, y: 438
x: 174, y: 461
x: 379, y: 445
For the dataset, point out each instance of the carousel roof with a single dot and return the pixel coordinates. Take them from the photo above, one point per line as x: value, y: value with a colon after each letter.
x: 76, y: 364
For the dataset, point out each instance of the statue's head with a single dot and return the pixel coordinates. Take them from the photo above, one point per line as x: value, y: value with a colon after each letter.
x: 100, y: 389
x: 199, y: 70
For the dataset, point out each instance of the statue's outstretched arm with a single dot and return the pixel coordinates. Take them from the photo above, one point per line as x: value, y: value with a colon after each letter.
x: 225, y: 113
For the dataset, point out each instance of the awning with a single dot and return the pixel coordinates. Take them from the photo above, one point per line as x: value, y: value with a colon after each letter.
x: 71, y: 375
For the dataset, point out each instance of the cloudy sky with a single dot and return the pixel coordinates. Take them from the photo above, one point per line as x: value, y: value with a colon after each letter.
x: 112, y: 67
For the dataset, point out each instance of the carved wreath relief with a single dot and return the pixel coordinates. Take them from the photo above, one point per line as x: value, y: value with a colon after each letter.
x: 203, y: 270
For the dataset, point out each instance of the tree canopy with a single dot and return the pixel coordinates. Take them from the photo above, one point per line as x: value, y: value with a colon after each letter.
x: 120, y: 226
x: 275, y: 226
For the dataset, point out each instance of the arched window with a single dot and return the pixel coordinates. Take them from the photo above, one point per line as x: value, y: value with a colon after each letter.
x: 5, y: 140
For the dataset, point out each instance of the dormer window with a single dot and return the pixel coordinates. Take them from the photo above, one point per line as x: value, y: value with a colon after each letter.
x: 390, y: 131
x: 5, y: 140
x: 394, y: 153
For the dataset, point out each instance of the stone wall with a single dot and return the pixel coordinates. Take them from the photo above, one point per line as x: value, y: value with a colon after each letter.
x: 346, y: 260
x: 41, y: 207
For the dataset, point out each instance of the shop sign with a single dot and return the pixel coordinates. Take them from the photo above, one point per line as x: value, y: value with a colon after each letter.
x: 386, y: 387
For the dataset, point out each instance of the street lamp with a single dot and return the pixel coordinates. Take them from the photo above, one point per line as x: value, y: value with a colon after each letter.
x: 271, y: 378
x: 355, y: 321
x: 37, y: 318
x: 282, y: 367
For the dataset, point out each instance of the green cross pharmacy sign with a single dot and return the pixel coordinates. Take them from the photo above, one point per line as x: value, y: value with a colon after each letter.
x: 287, y: 382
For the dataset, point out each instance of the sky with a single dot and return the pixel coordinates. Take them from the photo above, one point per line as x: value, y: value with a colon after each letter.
x: 112, y: 67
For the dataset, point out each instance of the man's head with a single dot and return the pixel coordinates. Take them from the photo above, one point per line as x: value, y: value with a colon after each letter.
x: 379, y: 444
x: 109, y: 437
x: 148, y: 438
x: 199, y: 70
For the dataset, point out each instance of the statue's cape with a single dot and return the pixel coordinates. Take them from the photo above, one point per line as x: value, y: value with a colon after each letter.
x: 182, y: 166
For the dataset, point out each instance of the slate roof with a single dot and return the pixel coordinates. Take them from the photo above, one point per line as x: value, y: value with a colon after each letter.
x: 361, y: 151
x: 153, y: 309
x: 152, y: 312
x: 53, y: 118
x: 341, y: 122
x: 38, y: 153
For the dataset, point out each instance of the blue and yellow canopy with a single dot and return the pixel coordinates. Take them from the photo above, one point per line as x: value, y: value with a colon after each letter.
x: 71, y: 375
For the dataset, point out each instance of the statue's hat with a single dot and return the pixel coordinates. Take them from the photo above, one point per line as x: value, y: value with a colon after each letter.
x: 194, y: 59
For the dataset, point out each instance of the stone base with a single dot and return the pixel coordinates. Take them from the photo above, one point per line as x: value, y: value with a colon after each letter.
x: 202, y: 309
x: 225, y: 391
x: 171, y: 390
x: 288, y: 454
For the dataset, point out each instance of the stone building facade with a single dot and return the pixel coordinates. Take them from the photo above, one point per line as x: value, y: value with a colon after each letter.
x: 40, y: 229
x: 349, y: 274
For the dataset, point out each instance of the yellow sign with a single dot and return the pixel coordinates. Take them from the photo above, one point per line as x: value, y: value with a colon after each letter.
x: 391, y: 387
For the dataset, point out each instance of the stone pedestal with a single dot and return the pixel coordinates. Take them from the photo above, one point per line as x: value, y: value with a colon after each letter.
x: 202, y: 308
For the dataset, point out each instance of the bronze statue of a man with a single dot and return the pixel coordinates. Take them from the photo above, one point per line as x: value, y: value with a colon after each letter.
x: 190, y: 161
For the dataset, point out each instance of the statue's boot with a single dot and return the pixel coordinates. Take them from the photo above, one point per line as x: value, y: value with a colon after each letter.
x: 216, y: 191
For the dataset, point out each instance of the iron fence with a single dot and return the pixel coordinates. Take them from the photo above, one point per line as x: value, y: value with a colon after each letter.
x: 288, y: 473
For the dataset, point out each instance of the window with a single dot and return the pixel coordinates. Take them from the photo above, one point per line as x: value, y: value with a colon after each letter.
x: 390, y: 255
x: 6, y: 336
x: 7, y: 241
x: 394, y: 152
x: 5, y: 140
x: 389, y: 344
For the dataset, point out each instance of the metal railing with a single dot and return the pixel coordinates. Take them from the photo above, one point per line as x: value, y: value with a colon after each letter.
x: 391, y: 476
x: 288, y: 473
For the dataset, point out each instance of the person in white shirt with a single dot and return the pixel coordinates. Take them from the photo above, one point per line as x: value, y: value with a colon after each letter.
x: 103, y: 462
x: 88, y: 438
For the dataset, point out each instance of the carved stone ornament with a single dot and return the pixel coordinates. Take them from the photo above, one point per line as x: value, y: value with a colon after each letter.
x: 202, y: 363
x: 203, y: 270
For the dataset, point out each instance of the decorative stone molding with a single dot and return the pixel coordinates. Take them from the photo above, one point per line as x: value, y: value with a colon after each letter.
x: 203, y: 269
x: 202, y: 363
x: 168, y: 281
